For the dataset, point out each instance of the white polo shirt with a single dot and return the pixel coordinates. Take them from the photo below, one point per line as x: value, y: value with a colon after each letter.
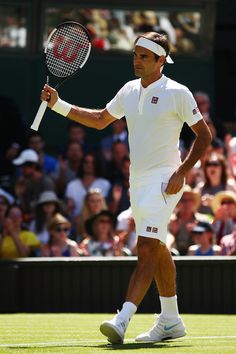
x: 155, y: 116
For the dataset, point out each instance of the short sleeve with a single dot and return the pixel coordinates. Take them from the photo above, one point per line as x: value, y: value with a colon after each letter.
x: 188, y: 110
x: 115, y: 107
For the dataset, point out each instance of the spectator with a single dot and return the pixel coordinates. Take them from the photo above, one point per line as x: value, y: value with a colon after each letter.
x: 102, y: 240
x: 93, y: 203
x: 231, y: 155
x: 14, y: 31
x: 119, y: 133
x: 203, y: 102
x: 37, y: 143
x: 5, y: 200
x: 77, y: 133
x: 33, y: 181
x: 196, y: 174
x: 216, y: 179
x: 47, y: 206
x: 99, y: 34
x: 118, y: 198
x: 228, y: 243
x: 16, y: 241
x: 59, y: 244
x: 68, y: 166
x: 204, y: 105
x: 89, y: 177
x: 150, y: 22
x: 121, y: 36
x: 224, y: 209
x: 217, y: 144
x: 203, y: 238
x: 184, y: 220
x: 113, y: 168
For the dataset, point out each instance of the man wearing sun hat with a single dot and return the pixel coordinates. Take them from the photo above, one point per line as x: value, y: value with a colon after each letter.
x: 183, y: 219
x: 34, y: 179
x: 26, y: 156
x: 155, y: 108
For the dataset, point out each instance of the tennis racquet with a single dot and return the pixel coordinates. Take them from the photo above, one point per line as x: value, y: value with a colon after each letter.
x: 66, y: 51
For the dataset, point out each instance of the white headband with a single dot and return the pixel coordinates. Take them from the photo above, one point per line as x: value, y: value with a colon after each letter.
x: 154, y: 47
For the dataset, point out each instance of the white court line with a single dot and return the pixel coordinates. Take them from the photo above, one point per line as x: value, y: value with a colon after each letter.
x: 212, y: 337
x: 77, y: 342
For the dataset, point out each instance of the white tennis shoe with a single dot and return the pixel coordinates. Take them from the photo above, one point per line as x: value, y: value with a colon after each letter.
x: 114, y: 329
x: 163, y: 330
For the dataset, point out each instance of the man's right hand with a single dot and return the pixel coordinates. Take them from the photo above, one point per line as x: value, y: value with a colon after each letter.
x: 50, y: 95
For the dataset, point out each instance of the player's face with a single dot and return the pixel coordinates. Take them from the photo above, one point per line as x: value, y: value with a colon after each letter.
x: 145, y: 63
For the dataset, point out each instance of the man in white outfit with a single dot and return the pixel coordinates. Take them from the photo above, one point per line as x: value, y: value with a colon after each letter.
x: 155, y: 108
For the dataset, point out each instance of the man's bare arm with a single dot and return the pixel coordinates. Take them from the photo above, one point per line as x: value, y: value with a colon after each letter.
x: 200, y: 144
x: 93, y: 118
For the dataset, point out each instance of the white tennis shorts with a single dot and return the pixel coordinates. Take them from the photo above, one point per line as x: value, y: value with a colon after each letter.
x: 151, y: 206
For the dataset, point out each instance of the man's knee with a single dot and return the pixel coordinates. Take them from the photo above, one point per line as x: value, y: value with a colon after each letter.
x: 147, y: 248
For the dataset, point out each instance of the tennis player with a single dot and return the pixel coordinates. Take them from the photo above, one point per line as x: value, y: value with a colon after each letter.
x: 155, y: 108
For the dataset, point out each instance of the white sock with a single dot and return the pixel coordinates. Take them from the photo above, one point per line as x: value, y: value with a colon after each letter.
x: 169, y: 307
x: 127, y: 311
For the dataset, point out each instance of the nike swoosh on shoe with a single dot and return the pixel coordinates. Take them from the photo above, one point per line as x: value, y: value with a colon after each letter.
x: 168, y: 328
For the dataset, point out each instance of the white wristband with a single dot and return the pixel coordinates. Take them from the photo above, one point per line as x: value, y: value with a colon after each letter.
x: 62, y: 107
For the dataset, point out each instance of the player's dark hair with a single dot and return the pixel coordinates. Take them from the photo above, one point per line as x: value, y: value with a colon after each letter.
x: 158, y: 38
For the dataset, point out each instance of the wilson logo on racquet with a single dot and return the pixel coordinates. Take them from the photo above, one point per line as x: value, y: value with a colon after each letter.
x: 66, y: 51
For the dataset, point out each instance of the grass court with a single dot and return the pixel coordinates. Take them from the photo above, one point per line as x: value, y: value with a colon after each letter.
x: 79, y: 333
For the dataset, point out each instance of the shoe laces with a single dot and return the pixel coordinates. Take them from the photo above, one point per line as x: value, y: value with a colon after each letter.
x: 158, y: 318
x: 158, y: 324
x: 120, y: 321
x: 154, y: 328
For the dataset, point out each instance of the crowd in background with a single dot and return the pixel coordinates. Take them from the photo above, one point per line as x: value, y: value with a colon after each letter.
x: 117, y: 29
x: 75, y: 203
x: 110, y: 29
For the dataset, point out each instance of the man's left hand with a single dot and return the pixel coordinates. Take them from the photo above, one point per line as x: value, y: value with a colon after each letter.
x: 175, y: 183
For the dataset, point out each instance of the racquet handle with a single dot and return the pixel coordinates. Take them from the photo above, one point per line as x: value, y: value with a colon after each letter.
x: 39, y: 116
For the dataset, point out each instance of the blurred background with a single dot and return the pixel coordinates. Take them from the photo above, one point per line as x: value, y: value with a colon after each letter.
x: 202, y: 34
x: 64, y: 190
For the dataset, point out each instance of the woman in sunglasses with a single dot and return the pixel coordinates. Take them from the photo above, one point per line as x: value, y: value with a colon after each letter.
x: 216, y: 179
x: 102, y: 240
x: 224, y: 208
x: 59, y: 244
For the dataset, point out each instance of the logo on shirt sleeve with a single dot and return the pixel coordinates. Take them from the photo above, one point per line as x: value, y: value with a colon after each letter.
x: 195, y: 110
x: 154, y: 99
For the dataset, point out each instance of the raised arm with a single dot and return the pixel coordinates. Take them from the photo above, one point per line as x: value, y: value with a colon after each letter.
x: 93, y: 118
x: 200, y: 144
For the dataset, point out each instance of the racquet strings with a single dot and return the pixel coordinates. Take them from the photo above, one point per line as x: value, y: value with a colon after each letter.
x: 67, y: 50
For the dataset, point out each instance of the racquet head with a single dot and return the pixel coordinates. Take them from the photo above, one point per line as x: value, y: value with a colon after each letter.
x: 67, y: 50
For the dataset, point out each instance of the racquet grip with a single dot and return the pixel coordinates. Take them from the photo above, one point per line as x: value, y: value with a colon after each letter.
x: 39, y: 116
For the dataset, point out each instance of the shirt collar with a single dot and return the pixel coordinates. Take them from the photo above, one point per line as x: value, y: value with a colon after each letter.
x: 157, y: 83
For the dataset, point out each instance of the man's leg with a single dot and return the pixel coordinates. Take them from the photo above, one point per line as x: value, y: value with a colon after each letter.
x: 165, y: 273
x: 169, y: 324
x: 165, y: 278
x: 147, y: 252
